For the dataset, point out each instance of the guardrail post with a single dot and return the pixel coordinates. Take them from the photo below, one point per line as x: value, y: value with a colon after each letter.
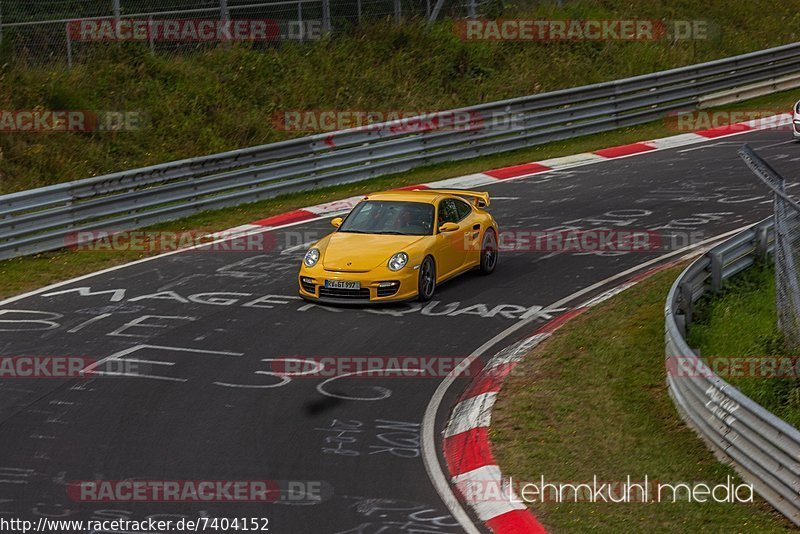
x: 716, y: 270
x: 116, y: 10
x: 680, y: 322
x: 762, y: 243
x: 686, y: 303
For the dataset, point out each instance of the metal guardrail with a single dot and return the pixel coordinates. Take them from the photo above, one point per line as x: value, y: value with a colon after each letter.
x: 45, y: 218
x: 763, y: 449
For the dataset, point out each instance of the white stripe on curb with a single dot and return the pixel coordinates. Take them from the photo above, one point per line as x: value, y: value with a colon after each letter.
x: 346, y: 204
x: 235, y: 231
x: 463, y: 182
x: 487, y: 492
x: 571, y: 160
x: 470, y: 413
x: 676, y: 141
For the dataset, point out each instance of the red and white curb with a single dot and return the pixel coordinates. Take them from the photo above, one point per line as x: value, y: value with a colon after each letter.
x: 524, y: 170
x: 473, y: 471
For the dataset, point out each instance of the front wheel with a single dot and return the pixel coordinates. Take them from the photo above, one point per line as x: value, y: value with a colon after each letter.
x: 427, y: 279
x: 488, y: 252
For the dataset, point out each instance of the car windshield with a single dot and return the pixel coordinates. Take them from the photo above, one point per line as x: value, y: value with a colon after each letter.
x: 390, y: 217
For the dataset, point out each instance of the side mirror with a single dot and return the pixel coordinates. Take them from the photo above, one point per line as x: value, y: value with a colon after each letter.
x: 337, y: 221
x: 480, y: 203
x: 448, y: 227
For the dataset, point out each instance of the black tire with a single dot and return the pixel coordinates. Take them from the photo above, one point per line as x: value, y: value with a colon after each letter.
x: 426, y: 280
x: 489, y: 252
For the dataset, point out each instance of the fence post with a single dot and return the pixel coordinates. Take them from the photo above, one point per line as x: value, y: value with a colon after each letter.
x: 398, y: 11
x: 69, y: 47
x: 435, y: 13
x: 115, y: 9
x: 358, y: 8
x: 1, y: 22
x: 472, y: 10
x: 225, y: 17
x: 786, y: 215
x: 150, y: 34
x: 326, y: 16
x: 300, y: 20
x: 787, y: 289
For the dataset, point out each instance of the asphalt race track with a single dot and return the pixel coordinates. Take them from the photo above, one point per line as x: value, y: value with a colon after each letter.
x: 206, y: 408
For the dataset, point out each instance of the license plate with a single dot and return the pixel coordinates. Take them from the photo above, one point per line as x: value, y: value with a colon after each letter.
x: 342, y: 284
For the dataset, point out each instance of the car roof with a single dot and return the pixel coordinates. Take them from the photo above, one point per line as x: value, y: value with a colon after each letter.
x: 402, y: 195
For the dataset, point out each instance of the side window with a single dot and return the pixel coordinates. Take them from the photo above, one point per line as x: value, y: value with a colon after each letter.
x: 462, y: 208
x: 447, y: 211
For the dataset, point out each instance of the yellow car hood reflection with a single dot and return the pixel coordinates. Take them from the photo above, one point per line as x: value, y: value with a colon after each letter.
x: 351, y: 252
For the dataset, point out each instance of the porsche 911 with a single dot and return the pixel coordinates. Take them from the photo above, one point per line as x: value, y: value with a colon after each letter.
x: 400, y: 245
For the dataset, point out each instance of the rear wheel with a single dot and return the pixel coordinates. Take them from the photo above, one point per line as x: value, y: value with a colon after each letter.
x: 488, y: 252
x: 427, y: 279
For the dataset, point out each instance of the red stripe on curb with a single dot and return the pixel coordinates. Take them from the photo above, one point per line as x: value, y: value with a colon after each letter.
x: 487, y: 381
x: 286, y: 218
x: 624, y: 150
x: 724, y: 130
x: 410, y: 187
x: 517, y: 170
x: 516, y: 522
x: 467, y: 451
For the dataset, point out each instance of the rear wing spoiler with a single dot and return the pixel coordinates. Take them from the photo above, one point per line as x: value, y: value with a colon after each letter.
x: 480, y: 199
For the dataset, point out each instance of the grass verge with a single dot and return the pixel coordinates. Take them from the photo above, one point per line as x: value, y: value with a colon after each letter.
x: 226, y: 97
x: 741, y: 321
x: 24, y: 274
x: 592, y: 400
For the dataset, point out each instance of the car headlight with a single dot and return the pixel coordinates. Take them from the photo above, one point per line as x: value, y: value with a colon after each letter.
x: 398, y: 261
x: 311, y: 258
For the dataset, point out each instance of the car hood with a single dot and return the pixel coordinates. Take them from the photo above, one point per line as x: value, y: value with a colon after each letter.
x: 363, y: 252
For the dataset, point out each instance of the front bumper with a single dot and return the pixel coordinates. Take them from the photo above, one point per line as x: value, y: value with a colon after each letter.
x: 377, y: 286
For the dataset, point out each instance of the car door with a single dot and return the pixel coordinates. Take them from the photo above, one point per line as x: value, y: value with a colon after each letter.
x: 471, y: 230
x: 451, y: 249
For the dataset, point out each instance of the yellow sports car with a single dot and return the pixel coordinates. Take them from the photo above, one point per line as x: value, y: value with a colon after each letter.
x: 398, y: 245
